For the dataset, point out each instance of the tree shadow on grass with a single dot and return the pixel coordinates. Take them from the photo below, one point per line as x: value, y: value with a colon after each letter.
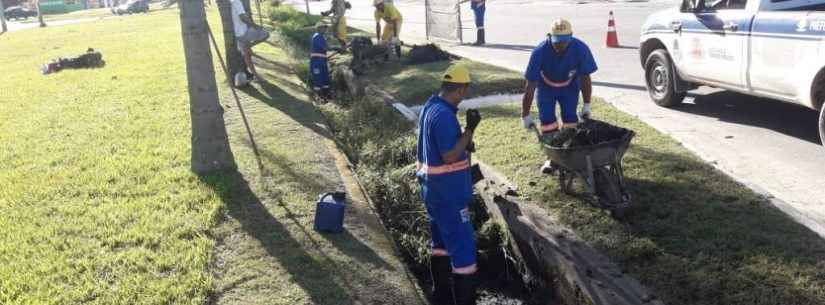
x: 242, y: 204
x: 302, y: 112
x: 721, y: 243
x: 693, y: 234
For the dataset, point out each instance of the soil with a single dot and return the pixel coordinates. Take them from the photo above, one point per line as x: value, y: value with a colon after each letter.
x: 422, y: 54
x: 589, y: 132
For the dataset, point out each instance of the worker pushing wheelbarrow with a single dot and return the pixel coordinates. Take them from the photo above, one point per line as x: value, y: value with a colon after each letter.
x: 592, y: 152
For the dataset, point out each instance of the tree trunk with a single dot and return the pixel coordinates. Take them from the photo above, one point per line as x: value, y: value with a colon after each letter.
x: 3, y: 27
x: 234, y: 61
x: 39, y: 15
x: 210, y: 143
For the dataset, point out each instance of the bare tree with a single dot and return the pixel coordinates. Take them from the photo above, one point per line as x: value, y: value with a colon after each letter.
x: 39, y: 15
x: 234, y: 61
x: 210, y: 143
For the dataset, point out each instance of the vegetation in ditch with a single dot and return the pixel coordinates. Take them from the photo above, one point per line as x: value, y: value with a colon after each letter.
x: 692, y: 234
x: 381, y: 144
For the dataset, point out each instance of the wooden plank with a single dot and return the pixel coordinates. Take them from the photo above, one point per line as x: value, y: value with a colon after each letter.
x: 581, y: 274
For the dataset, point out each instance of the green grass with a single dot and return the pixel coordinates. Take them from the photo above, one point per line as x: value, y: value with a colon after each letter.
x: 693, y: 234
x: 98, y: 205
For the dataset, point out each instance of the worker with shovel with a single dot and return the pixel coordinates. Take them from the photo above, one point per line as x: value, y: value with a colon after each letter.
x: 559, y: 68
x: 446, y: 188
x: 392, y: 25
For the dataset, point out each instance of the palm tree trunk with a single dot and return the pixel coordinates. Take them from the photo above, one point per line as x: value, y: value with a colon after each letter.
x: 210, y: 143
x: 234, y: 61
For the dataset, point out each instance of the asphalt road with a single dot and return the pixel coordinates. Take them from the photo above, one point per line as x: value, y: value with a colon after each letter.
x: 770, y: 146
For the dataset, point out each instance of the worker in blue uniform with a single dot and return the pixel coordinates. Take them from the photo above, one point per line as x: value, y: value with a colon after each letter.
x: 446, y: 188
x: 559, y: 69
x: 479, y: 8
x: 318, y: 65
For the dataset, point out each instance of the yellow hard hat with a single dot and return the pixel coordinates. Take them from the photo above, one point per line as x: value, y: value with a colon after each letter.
x: 458, y: 74
x: 561, y: 31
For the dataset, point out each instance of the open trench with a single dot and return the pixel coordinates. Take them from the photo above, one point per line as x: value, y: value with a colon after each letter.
x: 525, y: 256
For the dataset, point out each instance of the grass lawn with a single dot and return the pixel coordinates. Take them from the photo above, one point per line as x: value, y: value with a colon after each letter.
x: 693, y: 234
x: 98, y: 205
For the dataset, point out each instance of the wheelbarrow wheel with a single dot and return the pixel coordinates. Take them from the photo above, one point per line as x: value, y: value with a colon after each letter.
x: 619, y: 212
x: 566, y: 181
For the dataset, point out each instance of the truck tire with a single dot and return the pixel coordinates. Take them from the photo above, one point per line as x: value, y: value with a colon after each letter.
x: 822, y: 124
x: 659, y: 77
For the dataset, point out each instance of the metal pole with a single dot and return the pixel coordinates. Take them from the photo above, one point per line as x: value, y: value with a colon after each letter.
x: 426, y: 18
x: 3, y: 17
x: 460, y: 29
x: 307, y: 3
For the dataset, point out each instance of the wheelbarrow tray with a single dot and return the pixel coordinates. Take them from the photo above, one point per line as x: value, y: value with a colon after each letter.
x: 601, y: 154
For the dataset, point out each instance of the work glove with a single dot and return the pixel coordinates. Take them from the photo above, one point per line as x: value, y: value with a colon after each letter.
x: 473, y: 118
x: 527, y: 121
x: 327, y: 13
x: 585, y: 114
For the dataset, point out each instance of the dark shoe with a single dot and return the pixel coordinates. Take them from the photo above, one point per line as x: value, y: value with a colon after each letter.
x: 398, y: 51
x: 440, y: 271
x: 464, y: 288
x: 479, y: 37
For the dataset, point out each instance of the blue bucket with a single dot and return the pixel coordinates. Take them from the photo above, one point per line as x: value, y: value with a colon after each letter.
x: 329, y: 212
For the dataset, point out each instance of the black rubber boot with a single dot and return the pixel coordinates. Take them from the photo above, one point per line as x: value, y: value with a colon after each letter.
x: 464, y: 288
x: 398, y: 51
x: 440, y: 271
x: 479, y: 37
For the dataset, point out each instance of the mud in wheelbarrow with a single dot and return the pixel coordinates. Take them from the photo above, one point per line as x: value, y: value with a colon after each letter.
x: 593, y: 153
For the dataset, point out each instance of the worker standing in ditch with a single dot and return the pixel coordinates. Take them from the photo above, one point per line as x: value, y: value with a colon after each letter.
x: 446, y: 188
x: 559, y: 69
x: 392, y: 25
x: 339, y: 20
x: 318, y: 66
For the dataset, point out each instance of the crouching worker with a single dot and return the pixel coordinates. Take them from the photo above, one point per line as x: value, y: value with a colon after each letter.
x: 318, y: 65
x: 446, y: 188
x: 559, y: 69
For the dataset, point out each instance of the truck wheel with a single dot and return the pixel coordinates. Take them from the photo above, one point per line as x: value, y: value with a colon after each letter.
x: 660, y: 80
x: 822, y: 124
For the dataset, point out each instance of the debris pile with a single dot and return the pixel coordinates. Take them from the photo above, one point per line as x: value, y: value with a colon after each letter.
x: 587, y: 133
x: 90, y: 59
x: 365, y: 54
x: 422, y: 54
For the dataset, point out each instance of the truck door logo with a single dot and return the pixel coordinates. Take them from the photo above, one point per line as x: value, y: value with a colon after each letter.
x: 802, y: 26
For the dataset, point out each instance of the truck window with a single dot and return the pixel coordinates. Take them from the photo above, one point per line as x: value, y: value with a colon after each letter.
x: 795, y: 5
x: 726, y: 4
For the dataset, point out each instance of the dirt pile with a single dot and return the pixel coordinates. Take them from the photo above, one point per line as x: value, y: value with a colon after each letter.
x: 587, y: 133
x: 422, y: 54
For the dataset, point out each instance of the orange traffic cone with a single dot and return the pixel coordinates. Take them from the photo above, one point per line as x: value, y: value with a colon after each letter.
x: 612, y: 38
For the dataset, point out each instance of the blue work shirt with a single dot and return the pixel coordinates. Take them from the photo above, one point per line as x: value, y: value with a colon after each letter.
x: 560, y: 73
x: 318, y: 47
x: 438, y: 133
x: 477, y: 4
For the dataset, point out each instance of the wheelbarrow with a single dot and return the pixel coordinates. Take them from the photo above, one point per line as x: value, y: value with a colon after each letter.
x: 598, y: 165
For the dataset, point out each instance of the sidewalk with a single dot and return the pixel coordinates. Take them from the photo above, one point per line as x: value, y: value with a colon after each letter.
x: 267, y: 251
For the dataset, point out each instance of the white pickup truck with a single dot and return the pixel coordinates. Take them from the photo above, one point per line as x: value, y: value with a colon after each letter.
x: 766, y: 48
